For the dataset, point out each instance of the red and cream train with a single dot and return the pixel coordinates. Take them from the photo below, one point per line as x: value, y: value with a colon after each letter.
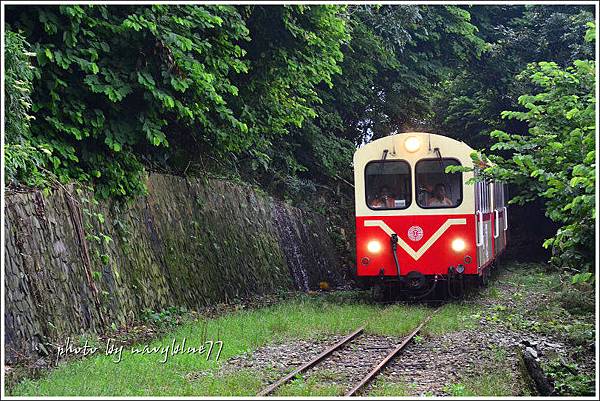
x: 418, y: 226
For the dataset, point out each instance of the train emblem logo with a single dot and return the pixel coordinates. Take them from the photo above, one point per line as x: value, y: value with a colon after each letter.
x: 415, y: 233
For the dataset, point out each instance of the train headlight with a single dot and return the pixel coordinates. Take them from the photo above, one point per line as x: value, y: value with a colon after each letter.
x: 458, y: 245
x: 374, y: 246
x: 412, y: 144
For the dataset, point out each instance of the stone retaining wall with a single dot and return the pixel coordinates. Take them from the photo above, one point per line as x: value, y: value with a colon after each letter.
x: 74, y: 266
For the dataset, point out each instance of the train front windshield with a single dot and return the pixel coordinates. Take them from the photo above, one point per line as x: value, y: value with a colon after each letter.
x: 435, y: 187
x: 388, y: 184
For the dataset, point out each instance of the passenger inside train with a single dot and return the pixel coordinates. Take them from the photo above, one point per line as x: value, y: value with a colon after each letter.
x: 384, y: 199
x: 436, y: 188
x: 388, y: 184
x: 439, y: 197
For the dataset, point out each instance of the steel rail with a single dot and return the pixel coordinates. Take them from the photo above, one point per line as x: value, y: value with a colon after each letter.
x: 311, y: 363
x: 388, y: 358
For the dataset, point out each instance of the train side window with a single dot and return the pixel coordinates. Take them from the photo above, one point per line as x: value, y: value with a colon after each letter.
x: 484, y: 194
x: 435, y: 187
x: 388, y: 185
x: 495, y: 195
x: 484, y: 191
x: 498, y: 198
x: 481, y: 197
x: 486, y: 197
x: 488, y: 203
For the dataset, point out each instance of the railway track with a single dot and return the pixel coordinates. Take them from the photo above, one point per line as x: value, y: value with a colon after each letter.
x: 339, y: 345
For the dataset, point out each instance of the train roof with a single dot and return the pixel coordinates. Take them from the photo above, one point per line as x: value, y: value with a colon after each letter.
x: 396, y: 146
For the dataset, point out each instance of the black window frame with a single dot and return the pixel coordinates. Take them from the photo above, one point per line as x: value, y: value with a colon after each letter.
x: 461, y: 183
x: 409, y: 180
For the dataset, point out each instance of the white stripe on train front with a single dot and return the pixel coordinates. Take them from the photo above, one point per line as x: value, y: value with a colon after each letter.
x: 416, y: 255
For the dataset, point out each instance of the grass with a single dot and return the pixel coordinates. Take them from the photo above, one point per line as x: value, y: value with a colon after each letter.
x: 488, y: 384
x: 495, y: 379
x: 305, y: 316
x: 558, y: 308
x: 315, y: 385
x: 452, y: 317
x: 534, y: 277
x: 382, y: 387
x: 492, y: 293
x: 545, y: 301
x: 242, y: 383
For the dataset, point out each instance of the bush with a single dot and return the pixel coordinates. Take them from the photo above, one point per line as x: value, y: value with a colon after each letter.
x: 23, y: 162
x: 555, y: 161
x: 120, y: 87
x: 567, y: 379
x: 17, y: 87
x: 578, y: 299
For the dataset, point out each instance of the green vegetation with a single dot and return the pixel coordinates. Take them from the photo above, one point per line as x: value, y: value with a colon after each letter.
x: 556, y: 161
x: 280, y: 97
x: 495, y: 378
x: 169, y: 317
x: 313, y: 386
x: 191, y: 374
x: 273, y: 94
x: 470, y: 104
x: 543, y: 301
x: 118, y: 86
x: 567, y: 380
x: 452, y: 317
x: 241, y: 383
x: 111, y: 79
x: 18, y: 80
x: 24, y: 161
x: 489, y: 383
x: 539, y: 65
x: 385, y: 388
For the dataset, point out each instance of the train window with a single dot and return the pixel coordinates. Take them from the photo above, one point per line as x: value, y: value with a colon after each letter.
x: 388, y: 184
x: 485, y: 188
x: 499, y: 195
x: 435, y: 187
x: 482, y: 197
x: 496, y: 195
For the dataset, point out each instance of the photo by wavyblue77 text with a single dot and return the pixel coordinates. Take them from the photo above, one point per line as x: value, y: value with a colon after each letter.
x: 209, y: 348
